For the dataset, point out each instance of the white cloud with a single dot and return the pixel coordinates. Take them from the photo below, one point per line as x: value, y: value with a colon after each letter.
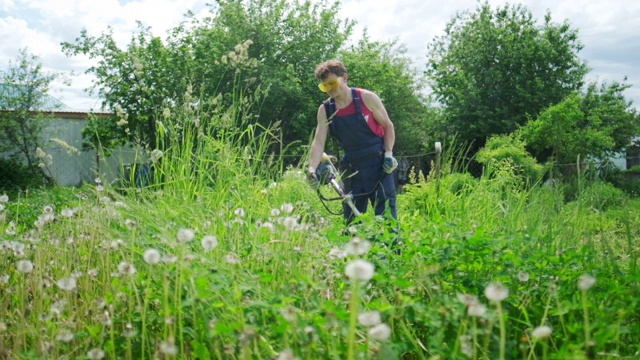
x: 609, y: 30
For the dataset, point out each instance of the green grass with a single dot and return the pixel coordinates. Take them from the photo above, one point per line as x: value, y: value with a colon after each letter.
x: 275, y: 285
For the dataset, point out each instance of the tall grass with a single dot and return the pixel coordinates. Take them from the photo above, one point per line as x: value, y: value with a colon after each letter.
x: 227, y: 256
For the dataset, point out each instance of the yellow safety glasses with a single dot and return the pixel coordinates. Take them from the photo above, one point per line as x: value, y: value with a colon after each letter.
x: 329, y: 85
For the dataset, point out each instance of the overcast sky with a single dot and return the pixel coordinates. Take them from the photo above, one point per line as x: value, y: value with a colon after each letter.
x: 609, y: 31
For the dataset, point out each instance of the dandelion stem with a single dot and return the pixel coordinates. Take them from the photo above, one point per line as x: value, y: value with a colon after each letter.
x: 587, y: 330
x: 353, y: 319
x: 503, y: 332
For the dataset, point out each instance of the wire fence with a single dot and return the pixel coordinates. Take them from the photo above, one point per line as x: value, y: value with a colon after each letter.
x: 70, y: 168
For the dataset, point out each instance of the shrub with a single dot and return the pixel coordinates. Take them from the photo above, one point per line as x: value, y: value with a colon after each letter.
x: 16, y: 176
x: 602, y: 195
x: 510, y: 148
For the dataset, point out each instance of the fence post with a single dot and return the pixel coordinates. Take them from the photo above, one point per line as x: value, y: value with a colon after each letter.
x: 438, y: 151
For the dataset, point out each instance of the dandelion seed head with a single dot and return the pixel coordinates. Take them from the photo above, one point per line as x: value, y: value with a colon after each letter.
x: 95, y: 354
x: 541, y: 332
x: 476, y: 310
x: 47, y: 209
x: 68, y: 283
x: 209, y: 243
x: 64, y: 335
x: 287, y: 208
x: 4, y: 279
x: 359, y: 270
x: 466, y: 345
x: 4, y: 198
x: 380, y: 332
x: 369, y: 318
x: 152, y: 256
x: 287, y: 355
x: 336, y: 253
x: 67, y: 212
x: 523, y: 276
x: 357, y: 246
x: 467, y: 299
x: 231, y: 258
x: 586, y: 282
x: 275, y: 212
x: 496, y: 292
x: 240, y: 212
x: 185, y: 235
x: 126, y: 268
x: 168, y: 347
x: 24, y: 266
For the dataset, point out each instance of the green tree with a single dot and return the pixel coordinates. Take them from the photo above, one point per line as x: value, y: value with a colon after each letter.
x: 24, y: 109
x: 383, y: 68
x: 494, y: 69
x: 279, y: 43
x: 594, y: 124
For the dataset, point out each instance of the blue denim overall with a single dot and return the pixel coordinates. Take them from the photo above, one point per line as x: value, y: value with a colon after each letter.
x: 362, y: 161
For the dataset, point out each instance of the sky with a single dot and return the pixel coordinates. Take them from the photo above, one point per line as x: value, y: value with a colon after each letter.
x: 608, y: 29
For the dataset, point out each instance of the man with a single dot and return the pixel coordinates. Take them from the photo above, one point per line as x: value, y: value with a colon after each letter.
x: 359, y: 122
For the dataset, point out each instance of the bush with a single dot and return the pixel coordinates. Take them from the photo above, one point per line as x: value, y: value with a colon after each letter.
x: 602, y: 195
x: 511, y: 149
x: 16, y: 176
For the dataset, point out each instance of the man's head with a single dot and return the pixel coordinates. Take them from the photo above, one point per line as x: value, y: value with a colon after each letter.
x: 325, y: 69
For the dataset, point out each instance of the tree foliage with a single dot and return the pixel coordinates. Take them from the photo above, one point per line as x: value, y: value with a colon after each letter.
x: 493, y: 69
x: 24, y: 108
x: 248, y: 45
x: 383, y: 68
x: 594, y: 124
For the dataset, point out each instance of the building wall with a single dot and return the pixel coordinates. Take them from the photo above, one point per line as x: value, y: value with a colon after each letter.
x: 70, y: 166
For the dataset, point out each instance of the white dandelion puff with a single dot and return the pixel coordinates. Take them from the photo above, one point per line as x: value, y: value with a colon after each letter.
x: 209, y: 243
x: 95, y: 354
x: 168, y: 347
x: 380, y: 332
x: 336, y: 253
x: 24, y: 266
x: 287, y: 208
x: 357, y: 246
x: 476, y: 310
x: 369, y: 318
x: 467, y: 299
x: 126, y: 268
x: 523, y: 276
x: 360, y: 270
x: 64, y: 335
x: 68, y: 283
x: 185, y: 235
x: 67, y: 212
x: 152, y: 256
x: 496, y: 292
x: 4, y: 198
x: 586, y: 282
x: 240, y: 212
x: 287, y: 355
x: 231, y: 258
x: 541, y: 332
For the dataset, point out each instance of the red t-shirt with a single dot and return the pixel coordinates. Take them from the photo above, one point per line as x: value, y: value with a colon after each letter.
x: 368, y: 115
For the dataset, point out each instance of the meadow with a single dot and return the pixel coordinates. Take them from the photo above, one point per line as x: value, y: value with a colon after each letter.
x: 228, y: 254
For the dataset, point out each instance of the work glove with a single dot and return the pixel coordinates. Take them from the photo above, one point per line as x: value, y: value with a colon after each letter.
x: 313, y: 179
x: 390, y: 163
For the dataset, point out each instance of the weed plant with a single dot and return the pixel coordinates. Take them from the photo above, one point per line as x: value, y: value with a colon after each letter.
x: 228, y: 255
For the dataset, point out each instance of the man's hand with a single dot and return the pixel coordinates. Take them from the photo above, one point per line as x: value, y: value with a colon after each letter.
x: 313, y: 179
x: 390, y: 163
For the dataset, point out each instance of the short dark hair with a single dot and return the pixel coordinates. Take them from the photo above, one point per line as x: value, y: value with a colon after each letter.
x: 329, y: 67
